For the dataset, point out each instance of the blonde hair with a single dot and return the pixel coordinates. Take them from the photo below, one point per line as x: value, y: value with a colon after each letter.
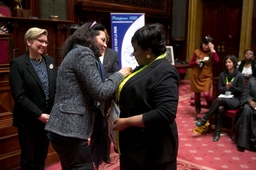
x: 34, y: 33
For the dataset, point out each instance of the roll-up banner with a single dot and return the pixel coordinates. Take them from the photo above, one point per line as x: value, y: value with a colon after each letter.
x: 123, y: 26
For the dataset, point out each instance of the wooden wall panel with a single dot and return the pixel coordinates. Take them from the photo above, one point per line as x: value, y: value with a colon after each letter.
x: 58, y: 31
x: 159, y: 8
x: 99, y: 10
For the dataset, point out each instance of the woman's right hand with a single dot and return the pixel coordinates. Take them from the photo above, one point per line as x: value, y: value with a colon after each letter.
x: 126, y: 71
x: 44, y: 117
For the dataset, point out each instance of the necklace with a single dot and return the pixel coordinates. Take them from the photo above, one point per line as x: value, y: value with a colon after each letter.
x: 38, y: 60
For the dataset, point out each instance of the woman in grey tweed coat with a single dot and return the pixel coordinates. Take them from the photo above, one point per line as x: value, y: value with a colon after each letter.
x: 79, y: 88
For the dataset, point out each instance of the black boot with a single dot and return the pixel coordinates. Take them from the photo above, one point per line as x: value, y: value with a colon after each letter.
x: 204, y: 119
x: 209, y: 103
x: 201, y: 122
x: 216, y: 136
x: 198, y: 108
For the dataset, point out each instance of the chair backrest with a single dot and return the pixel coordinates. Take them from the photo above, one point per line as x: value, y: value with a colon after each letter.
x: 5, y: 10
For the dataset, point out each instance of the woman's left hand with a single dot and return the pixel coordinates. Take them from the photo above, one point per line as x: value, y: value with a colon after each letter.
x: 228, y: 85
x: 120, y: 124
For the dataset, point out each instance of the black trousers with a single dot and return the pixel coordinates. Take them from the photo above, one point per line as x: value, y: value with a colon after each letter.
x: 74, y: 153
x: 107, y: 141
x: 34, y: 148
x: 126, y: 163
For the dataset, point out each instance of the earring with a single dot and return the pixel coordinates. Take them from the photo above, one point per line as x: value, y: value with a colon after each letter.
x: 148, y: 56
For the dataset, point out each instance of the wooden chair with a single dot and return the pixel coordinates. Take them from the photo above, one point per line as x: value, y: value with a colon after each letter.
x: 6, y: 50
x: 233, y: 114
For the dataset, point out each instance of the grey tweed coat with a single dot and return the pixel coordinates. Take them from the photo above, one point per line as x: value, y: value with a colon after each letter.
x: 78, y: 85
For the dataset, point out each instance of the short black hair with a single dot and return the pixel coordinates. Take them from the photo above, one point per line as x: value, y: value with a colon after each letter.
x: 151, y: 36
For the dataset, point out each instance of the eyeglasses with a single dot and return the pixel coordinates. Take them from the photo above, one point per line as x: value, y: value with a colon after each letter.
x: 43, y: 41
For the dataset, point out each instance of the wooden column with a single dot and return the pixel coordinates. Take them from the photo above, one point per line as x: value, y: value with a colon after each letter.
x: 246, y: 28
x: 194, y: 29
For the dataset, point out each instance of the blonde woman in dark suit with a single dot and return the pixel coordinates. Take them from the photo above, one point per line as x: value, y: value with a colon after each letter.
x: 32, y: 81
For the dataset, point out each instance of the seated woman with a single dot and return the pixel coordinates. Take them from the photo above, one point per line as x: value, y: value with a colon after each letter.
x: 245, y: 127
x: 230, y: 82
x: 247, y: 66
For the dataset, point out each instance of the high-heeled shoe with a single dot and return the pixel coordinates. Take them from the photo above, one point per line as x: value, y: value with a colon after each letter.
x: 240, y: 148
x: 201, y: 122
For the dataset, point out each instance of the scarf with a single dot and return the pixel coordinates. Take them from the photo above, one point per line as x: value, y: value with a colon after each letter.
x: 97, y: 137
x: 230, y: 76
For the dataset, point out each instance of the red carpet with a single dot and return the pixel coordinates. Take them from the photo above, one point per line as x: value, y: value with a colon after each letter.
x: 200, y: 149
x: 114, y: 165
x: 197, y: 152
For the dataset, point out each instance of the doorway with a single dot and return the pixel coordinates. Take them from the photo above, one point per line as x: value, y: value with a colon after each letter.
x: 222, y: 21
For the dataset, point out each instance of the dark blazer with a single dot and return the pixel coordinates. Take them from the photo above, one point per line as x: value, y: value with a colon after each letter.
x: 27, y: 91
x: 236, y: 89
x: 110, y: 62
x: 153, y: 92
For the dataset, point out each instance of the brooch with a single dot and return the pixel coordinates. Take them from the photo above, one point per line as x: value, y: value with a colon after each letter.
x: 51, y: 66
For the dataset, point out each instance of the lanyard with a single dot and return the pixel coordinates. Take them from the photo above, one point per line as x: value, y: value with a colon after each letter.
x: 230, y: 81
x: 133, y: 74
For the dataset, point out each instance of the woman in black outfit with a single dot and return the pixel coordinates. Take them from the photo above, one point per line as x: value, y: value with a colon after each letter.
x: 230, y: 81
x: 248, y: 66
x: 148, y: 101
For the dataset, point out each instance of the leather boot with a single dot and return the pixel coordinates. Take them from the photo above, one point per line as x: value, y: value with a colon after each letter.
x: 201, y: 122
x: 198, y: 108
x: 219, y: 119
x: 209, y: 103
x: 216, y: 136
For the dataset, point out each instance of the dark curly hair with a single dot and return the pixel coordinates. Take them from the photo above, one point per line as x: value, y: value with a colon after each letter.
x: 85, y: 36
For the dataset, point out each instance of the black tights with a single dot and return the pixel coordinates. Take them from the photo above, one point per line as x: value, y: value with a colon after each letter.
x: 217, y: 107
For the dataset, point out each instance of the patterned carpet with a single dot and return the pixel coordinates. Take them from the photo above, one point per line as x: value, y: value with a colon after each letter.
x: 197, y: 152
x: 200, y: 149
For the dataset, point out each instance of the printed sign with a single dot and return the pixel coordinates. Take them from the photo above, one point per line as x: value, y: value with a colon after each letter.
x: 123, y: 26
